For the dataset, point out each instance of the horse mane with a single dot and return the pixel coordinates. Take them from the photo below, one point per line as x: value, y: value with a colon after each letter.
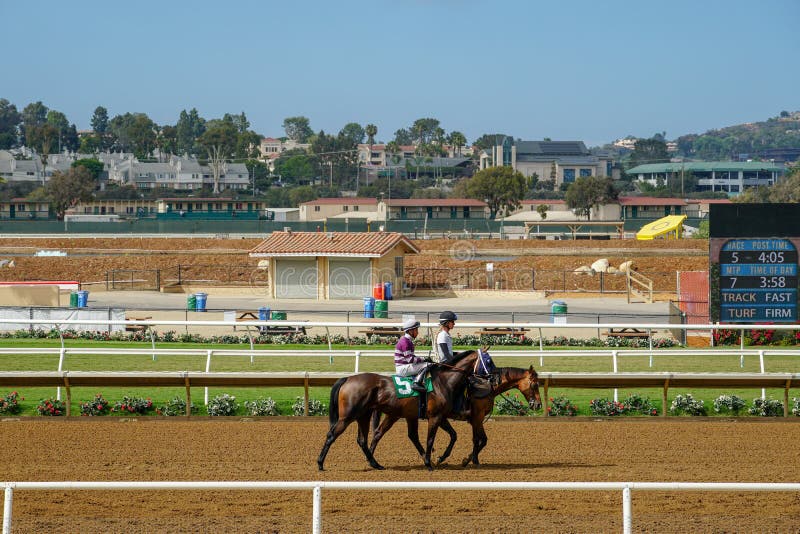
x: 460, y: 356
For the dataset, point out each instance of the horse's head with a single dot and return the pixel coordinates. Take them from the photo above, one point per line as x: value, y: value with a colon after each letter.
x: 528, y: 385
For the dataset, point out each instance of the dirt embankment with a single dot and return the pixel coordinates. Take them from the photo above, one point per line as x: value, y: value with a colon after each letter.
x: 90, y: 259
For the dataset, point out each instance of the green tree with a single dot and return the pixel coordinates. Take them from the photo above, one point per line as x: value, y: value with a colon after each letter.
x: 259, y: 171
x: 502, y: 188
x: 352, y: 133
x: 10, y: 120
x: 295, y: 167
x: 239, y: 121
x: 94, y: 166
x: 648, y: 151
x: 67, y: 189
x: 142, y: 132
x: 458, y: 140
x: 371, y: 131
x: 297, y: 129
x: 219, y: 141
x: 303, y: 193
x: 403, y: 137
x: 167, y: 139
x: 90, y: 144
x: 542, y: 210
x: 588, y: 192
x: 100, y: 120
x: 188, y: 130
x: 487, y: 141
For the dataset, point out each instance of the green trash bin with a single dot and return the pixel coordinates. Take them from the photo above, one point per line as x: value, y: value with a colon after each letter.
x: 73, y: 299
x: 558, y: 310
x: 191, y: 302
x: 381, y: 309
x: 278, y: 316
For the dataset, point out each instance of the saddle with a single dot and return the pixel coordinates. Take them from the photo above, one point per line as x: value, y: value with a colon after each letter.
x: 481, y: 383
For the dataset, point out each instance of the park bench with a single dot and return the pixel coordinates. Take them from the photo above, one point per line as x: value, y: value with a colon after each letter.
x: 627, y: 332
x: 382, y: 331
x: 137, y: 327
x: 243, y: 316
x: 518, y: 332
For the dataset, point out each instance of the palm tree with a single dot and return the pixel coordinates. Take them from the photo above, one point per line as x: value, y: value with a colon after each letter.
x: 457, y: 139
x: 371, y: 131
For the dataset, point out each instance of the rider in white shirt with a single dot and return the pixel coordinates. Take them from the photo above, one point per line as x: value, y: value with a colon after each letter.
x: 444, y: 343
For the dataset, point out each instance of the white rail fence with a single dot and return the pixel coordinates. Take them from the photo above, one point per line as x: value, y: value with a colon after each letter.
x: 317, y: 486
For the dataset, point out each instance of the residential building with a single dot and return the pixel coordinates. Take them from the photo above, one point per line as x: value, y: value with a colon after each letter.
x: 731, y: 177
x: 272, y: 148
x: 432, y: 208
x: 205, y: 208
x: 23, y: 209
x: 561, y: 161
x: 323, y: 208
x: 333, y: 265
x: 178, y: 173
x: 135, y: 207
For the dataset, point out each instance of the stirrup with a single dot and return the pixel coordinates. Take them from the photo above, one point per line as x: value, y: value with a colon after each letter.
x: 418, y: 387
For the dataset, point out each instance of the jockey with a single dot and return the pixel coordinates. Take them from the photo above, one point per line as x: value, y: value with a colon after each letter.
x: 406, y: 363
x: 444, y: 343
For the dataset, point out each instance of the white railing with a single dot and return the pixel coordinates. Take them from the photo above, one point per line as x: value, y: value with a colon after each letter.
x: 318, y: 486
x: 614, y: 354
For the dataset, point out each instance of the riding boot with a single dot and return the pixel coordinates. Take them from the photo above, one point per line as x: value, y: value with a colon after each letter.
x: 419, y: 381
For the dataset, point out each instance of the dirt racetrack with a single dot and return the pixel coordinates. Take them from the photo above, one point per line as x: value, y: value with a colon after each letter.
x: 540, y: 449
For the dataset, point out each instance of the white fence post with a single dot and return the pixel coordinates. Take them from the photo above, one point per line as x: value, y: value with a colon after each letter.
x: 316, y: 521
x: 7, y: 502
x: 627, y: 520
x: 358, y: 357
x: 60, y: 369
x: 761, y: 362
x: 208, y: 370
x: 614, y: 358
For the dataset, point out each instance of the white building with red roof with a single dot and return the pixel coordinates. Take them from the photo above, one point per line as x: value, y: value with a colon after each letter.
x: 333, y: 265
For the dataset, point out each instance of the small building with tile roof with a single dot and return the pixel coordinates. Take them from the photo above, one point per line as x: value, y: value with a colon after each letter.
x: 333, y: 265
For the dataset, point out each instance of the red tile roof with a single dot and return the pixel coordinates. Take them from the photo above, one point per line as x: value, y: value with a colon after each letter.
x: 709, y: 201
x: 651, y: 201
x: 424, y: 202
x: 364, y: 244
x: 341, y: 201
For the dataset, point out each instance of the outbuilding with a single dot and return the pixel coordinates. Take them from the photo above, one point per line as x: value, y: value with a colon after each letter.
x: 333, y: 265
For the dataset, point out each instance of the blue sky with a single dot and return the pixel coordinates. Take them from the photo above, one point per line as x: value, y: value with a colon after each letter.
x: 574, y: 70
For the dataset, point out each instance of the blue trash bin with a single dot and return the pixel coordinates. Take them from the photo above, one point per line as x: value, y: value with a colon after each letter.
x: 83, y: 299
x: 369, y: 307
x: 387, y: 291
x: 263, y: 313
x: 200, y: 299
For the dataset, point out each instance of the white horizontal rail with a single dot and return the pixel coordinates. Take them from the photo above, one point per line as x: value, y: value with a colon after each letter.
x: 398, y: 324
x: 318, y: 486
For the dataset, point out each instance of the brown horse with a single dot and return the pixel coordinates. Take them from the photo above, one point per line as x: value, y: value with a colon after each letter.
x: 525, y: 380
x: 357, y: 397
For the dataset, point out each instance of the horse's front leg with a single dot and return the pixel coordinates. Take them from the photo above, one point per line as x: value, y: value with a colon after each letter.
x: 433, y: 425
x: 381, y: 431
x: 478, y: 438
x: 447, y: 427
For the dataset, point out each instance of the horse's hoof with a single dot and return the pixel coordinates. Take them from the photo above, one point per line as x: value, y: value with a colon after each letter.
x: 321, y: 468
x: 440, y: 460
x: 465, y: 462
x: 378, y: 467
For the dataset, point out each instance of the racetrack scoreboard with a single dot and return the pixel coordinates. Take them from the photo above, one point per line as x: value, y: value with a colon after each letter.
x: 753, y: 263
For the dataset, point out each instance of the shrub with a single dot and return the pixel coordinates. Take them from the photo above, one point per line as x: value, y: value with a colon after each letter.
x: 175, y: 407
x: 795, y: 406
x: 315, y: 407
x: 97, y: 406
x: 222, y: 405
x: 511, y: 405
x: 686, y: 404
x: 51, y: 407
x: 262, y: 407
x: 635, y: 403
x: 729, y: 404
x: 606, y: 407
x: 136, y: 405
x: 766, y: 407
x: 10, y: 404
x: 561, y: 406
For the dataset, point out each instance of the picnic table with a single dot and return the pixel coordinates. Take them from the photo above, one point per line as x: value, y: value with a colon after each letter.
x: 243, y: 316
x: 383, y: 331
x: 627, y: 332
x: 137, y: 327
x: 518, y: 332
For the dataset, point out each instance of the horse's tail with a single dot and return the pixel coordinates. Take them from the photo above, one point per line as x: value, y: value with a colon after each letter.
x: 333, y: 413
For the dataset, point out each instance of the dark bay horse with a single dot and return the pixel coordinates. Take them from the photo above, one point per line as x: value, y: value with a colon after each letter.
x: 357, y: 397
x: 475, y: 412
